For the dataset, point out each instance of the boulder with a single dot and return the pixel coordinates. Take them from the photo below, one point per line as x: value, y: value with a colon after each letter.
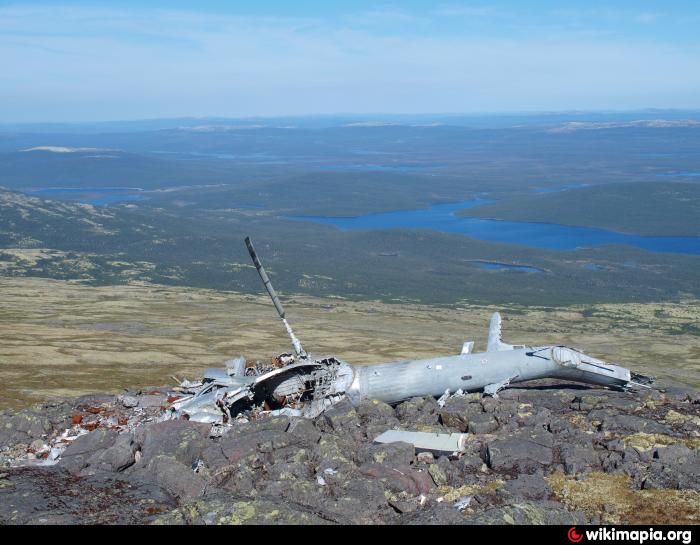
x: 179, y: 439
x: 84, y: 448
x: 520, y: 453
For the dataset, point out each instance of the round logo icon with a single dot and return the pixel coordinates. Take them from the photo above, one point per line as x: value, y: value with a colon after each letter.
x: 573, y: 535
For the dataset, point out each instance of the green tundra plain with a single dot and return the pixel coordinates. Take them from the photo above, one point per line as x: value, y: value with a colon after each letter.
x: 65, y: 338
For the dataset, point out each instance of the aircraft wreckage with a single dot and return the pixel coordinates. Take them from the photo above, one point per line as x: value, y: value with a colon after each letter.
x: 303, y: 385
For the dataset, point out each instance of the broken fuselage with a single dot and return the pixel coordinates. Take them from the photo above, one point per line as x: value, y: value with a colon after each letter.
x: 305, y: 386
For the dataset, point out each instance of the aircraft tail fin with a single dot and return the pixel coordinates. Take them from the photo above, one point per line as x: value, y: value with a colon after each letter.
x: 495, y: 342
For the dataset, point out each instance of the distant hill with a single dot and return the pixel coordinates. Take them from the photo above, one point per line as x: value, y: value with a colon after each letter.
x: 66, y: 166
x: 178, y: 246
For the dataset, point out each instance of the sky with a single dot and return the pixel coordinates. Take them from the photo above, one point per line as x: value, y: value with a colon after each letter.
x: 90, y: 61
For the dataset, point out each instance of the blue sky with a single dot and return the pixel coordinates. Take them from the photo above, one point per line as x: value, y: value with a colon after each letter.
x: 83, y: 61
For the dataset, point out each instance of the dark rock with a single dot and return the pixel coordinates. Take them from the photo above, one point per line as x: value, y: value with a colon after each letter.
x: 328, y: 470
x: 172, y: 475
x: 393, y: 454
x: 679, y: 392
x: 303, y: 432
x: 405, y: 503
x: 85, y: 447
x: 373, y: 409
x: 268, y: 435
x: 411, y: 481
x: 55, y: 496
x: 419, y: 410
x: 579, y: 456
x: 675, y: 467
x: 470, y: 464
x: 445, y: 472
x: 341, y: 418
x: 335, y: 453
x: 115, y: 458
x: 482, y: 423
x: 359, y: 501
x: 533, y: 417
x: 623, y: 404
x: 23, y: 427
x: 529, y: 487
x: 456, y: 412
x: 554, y: 400
x: 632, y: 424
x: 523, y: 452
x: 179, y: 439
x: 530, y: 513
x: 442, y: 513
x: 233, y: 511
x: 241, y: 480
x: 283, y: 471
x: 610, y: 461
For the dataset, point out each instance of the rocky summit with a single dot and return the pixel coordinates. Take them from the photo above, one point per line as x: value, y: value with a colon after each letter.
x: 544, y: 453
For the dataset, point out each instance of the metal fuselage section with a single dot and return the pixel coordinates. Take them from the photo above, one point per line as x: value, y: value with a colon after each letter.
x: 306, y: 386
x: 397, y: 381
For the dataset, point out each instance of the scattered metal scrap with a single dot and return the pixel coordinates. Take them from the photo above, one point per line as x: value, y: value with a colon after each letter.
x: 302, y: 385
x: 437, y: 443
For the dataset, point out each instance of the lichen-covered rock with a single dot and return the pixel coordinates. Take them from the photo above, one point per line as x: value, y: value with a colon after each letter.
x: 523, y: 452
x: 179, y: 439
x: 23, y: 427
x: 577, y: 454
x: 418, y: 411
x: 456, y: 412
x: 228, y: 511
x: 629, y: 423
x: 376, y: 417
x: 530, y: 513
x: 392, y: 454
x: 405, y: 479
x: 172, y: 475
x: 564, y: 455
x: 481, y: 423
x: 76, y: 457
x: 528, y: 487
x: 56, y: 496
x: 341, y: 418
x: 118, y: 457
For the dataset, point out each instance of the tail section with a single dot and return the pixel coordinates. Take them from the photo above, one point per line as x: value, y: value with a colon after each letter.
x: 495, y: 342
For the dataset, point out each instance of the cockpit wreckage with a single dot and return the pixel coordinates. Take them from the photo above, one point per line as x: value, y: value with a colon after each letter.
x: 300, y: 384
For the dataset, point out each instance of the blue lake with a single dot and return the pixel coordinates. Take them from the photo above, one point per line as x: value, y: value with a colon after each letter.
x: 441, y: 217
x: 497, y: 266
x: 261, y: 158
x: 109, y: 199
x: 367, y: 167
x: 97, y: 196
x: 560, y: 188
x: 685, y: 174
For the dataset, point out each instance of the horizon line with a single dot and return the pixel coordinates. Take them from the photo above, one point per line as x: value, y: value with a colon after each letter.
x: 495, y: 113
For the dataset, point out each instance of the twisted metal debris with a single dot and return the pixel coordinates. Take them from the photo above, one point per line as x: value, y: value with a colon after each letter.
x: 301, y: 384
